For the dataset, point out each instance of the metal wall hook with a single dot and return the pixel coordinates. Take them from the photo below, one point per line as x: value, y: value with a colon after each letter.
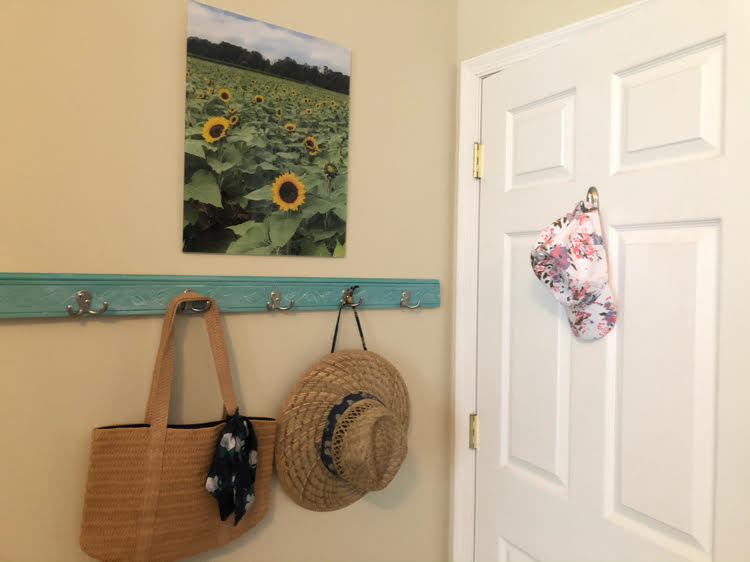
x: 275, y: 302
x: 405, y: 296
x: 83, y: 298
x: 193, y: 308
x: 347, y: 298
x: 592, y: 197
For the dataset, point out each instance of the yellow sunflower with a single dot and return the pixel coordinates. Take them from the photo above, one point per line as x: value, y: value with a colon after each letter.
x: 208, y: 80
x: 330, y: 170
x: 288, y: 192
x: 290, y: 127
x: 215, y: 128
x: 317, y: 105
x: 311, y: 144
x: 200, y: 95
x: 334, y: 104
x: 224, y: 95
x: 233, y: 119
x: 308, y: 111
x: 242, y: 92
x: 258, y: 98
x: 307, y: 100
x: 232, y: 109
x: 210, y: 90
x: 294, y: 92
x: 279, y: 112
x: 187, y: 74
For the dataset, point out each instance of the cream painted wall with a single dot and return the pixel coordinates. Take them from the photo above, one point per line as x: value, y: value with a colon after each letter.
x: 484, y: 25
x: 91, y: 175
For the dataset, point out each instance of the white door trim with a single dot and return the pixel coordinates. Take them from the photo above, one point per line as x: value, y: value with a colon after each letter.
x: 472, y: 71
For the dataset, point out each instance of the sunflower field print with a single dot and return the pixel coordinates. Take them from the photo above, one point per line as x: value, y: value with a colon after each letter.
x: 266, y: 138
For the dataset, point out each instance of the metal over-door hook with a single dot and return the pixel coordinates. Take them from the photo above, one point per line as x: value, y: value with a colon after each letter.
x: 275, y: 302
x: 405, y: 296
x: 347, y: 298
x: 592, y: 197
x: 83, y: 298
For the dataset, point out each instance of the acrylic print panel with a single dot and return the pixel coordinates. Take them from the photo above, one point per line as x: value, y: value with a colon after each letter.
x: 266, y: 138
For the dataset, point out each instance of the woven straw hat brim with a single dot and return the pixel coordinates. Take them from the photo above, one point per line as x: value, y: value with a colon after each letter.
x: 303, y: 415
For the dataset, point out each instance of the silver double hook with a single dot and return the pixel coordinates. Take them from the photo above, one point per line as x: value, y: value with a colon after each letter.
x: 347, y: 299
x: 83, y: 298
x: 405, y: 297
x: 275, y: 302
x: 193, y: 308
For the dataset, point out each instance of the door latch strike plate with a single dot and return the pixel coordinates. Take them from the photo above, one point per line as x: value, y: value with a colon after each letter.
x: 473, y: 431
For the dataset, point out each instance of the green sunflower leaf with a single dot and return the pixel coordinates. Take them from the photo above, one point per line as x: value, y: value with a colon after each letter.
x: 203, y: 187
x: 315, y: 249
x: 318, y: 235
x: 282, y: 227
x: 266, y: 166
x: 196, y: 130
x: 244, y: 134
x: 339, y: 251
x: 189, y: 214
x: 313, y: 206
x: 251, y: 240
x: 340, y: 211
x: 288, y: 155
x: 194, y: 147
x: 229, y: 158
x: 339, y: 182
x: 262, y: 194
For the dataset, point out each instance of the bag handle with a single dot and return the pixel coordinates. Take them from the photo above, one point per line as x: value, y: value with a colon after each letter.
x: 157, y: 409
x: 348, y: 303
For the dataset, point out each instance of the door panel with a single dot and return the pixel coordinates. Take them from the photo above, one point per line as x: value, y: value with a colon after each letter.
x: 635, y: 447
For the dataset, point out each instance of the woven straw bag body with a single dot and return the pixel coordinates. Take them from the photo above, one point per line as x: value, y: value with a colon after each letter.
x: 145, y: 494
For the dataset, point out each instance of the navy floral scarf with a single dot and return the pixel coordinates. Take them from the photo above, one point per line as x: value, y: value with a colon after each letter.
x: 231, y: 478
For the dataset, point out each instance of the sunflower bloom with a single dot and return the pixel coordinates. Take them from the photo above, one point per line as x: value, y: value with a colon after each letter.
x: 208, y: 80
x: 310, y: 144
x: 232, y: 109
x: 215, y: 128
x: 308, y: 111
x: 288, y: 192
x: 334, y: 104
x: 279, y: 112
x: 330, y: 170
x: 210, y: 90
x: 290, y: 127
x: 258, y: 98
x: 233, y: 119
x: 224, y: 95
x: 200, y: 95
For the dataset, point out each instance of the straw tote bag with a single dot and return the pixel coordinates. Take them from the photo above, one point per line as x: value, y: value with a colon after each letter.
x: 145, y: 496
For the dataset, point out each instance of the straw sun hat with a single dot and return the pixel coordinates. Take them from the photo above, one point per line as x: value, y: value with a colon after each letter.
x: 342, y: 430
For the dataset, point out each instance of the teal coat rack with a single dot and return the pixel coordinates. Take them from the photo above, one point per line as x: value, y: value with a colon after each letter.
x: 46, y: 295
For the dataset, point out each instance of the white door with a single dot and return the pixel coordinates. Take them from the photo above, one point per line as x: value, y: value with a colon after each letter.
x: 636, y: 447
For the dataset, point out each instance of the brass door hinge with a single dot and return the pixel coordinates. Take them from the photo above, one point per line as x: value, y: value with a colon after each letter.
x: 473, y: 431
x: 477, y: 167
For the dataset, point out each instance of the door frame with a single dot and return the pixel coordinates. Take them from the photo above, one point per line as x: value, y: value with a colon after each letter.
x: 471, y: 73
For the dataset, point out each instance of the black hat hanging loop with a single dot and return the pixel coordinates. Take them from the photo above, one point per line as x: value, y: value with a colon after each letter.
x: 348, y: 300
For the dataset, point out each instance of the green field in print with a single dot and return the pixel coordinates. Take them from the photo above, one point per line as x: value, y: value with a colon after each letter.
x: 265, y: 160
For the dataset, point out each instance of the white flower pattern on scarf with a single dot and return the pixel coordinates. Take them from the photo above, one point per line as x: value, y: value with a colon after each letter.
x: 569, y: 258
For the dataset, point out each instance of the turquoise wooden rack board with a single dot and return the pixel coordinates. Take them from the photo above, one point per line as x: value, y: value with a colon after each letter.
x: 46, y: 295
